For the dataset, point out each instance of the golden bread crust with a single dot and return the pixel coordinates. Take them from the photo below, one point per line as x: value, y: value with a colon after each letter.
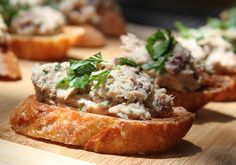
x: 230, y: 94
x: 111, y: 23
x: 91, y: 37
x: 44, y: 48
x: 99, y: 133
x: 219, y: 86
x: 9, y: 67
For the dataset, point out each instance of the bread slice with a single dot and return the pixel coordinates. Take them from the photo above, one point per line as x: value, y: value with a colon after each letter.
x: 91, y: 37
x: 99, y: 133
x: 218, y: 86
x: 112, y: 23
x: 44, y: 48
x: 9, y: 67
x: 230, y: 94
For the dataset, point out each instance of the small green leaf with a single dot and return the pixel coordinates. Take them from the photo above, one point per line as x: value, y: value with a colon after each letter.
x: 64, y: 83
x: 159, y: 46
x: 126, y: 61
x: 100, y: 77
x: 80, y: 82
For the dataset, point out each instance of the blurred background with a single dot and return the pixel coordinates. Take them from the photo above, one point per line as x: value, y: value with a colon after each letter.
x: 163, y: 13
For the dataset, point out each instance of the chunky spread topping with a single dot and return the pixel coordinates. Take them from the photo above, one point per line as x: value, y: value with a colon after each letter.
x: 166, y: 59
x: 3, y: 34
x: 17, y: 3
x: 79, y: 11
x: 101, y: 87
x: 209, y: 46
x: 38, y: 21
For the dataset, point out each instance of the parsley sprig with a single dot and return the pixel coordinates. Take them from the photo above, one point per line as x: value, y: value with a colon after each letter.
x: 186, y: 32
x: 82, y: 73
x: 127, y: 61
x: 229, y: 22
x: 159, y: 46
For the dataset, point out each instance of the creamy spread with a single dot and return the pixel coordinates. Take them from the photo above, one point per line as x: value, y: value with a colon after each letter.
x: 134, y: 48
x: 38, y: 21
x: 3, y: 34
x: 212, y: 48
x: 17, y: 3
x: 79, y: 11
x: 128, y: 92
x: 182, y: 72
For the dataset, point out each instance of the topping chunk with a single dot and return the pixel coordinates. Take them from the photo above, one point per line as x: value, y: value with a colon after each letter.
x: 38, y: 21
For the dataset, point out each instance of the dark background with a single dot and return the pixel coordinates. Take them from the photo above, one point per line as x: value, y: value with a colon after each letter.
x: 163, y: 13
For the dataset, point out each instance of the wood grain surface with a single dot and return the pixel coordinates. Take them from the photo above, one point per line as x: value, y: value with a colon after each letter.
x: 211, y: 140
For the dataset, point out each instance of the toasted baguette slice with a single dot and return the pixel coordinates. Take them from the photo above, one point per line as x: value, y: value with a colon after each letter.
x: 91, y: 37
x: 44, y: 48
x: 99, y: 133
x: 112, y: 23
x: 9, y: 67
x: 219, y: 86
x: 230, y: 94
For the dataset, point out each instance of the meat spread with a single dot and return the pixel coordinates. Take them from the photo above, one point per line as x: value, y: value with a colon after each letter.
x: 128, y: 92
x: 38, y: 21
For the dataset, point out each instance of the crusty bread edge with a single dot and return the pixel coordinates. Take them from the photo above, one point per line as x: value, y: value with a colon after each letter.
x: 98, y: 133
x: 194, y: 101
x: 44, y: 48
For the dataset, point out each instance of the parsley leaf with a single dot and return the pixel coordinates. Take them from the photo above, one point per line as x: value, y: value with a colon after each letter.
x: 86, y: 66
x: 100, y: 78
x: 82, y: 73
x: 126, y: 61
x: 186, y: 32
x: 159, y: 46
x: 216, y: 23
x: 226, y: 23
x: 80, y: 82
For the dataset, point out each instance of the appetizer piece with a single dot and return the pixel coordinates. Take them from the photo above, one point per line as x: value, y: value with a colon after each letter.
x: 227, y: 25
x: 80, y: 12
x: 102, y: 107
x: 39, y: 34
x: 111, y: 21
x: 174, y: 68
x: 95, y: 17
x: 9, y: 68
x: 211, y: 46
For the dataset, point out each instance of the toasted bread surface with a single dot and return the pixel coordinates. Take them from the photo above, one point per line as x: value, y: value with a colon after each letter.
x: 219, y: 86
x: 230, y: 94
x: 99, y: 133
x: 91, y: 37
x: 44, y: 48
x: 9, y: 67
x: 112, y: 23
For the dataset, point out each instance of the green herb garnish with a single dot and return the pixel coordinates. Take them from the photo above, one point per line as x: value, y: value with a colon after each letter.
x: 8, y: 11
x: 186, y: 32
x: 126, y: 61
x: 82, y: 73
x: 99, y: 77
x: 217, y: 23
x: 159, y: 46
x: 229, y: 22
x: 231, y: 41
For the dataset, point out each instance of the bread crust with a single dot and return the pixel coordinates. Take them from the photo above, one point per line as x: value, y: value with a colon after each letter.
x: 112, y: 23
x: 219, y: 86
x: 91, y: 37
x: 9, y: 67
x: 99, y: 133
x: 230, y: 94
x: 44, y: 48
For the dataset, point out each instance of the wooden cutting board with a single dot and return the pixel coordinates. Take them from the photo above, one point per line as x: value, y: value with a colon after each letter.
x: 211, y: 140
